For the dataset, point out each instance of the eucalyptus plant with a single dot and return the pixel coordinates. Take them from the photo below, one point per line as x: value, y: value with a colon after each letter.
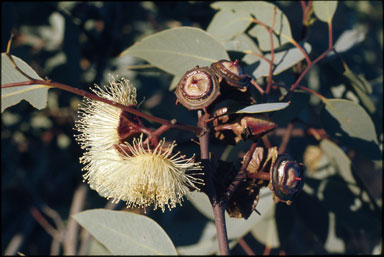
x: 227, y: 77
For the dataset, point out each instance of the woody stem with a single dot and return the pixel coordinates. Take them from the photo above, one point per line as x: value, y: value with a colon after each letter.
x: 218, y: 207
x: 171, y: 124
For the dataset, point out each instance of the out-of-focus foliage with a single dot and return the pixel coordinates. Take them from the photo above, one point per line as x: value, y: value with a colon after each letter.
x: 79, y: 43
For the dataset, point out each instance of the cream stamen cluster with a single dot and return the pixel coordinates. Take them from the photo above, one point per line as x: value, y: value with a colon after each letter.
x: 130, y: 171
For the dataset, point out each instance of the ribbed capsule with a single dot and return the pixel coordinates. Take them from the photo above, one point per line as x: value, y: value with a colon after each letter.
x: 232, y: 73
x: 197, y: 89
x: 287, y: 178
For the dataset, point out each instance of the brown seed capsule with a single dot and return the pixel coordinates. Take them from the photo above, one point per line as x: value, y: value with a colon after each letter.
x: 287, y: 178
x: 198, y: 88
x: 232, y: 73
x: 242, y: 128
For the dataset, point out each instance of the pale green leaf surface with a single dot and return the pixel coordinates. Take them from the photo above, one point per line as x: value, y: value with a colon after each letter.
x: 347, y: 40
x: 174, y: 82
x: 263, y: 39
x: 178, y: 50
x: 124, y: 233
x: 262, y: 11
x: 207, y: 243
x: 235, y: 227
x: 226, y: 24
x: 201, y: 203
x: 341, y: 161
x: 265, y: 231
x: 299, y: 100
x: 352, y: 118
x: 96, y: 248
x: 362, y: 88
x: 36, y: 95
x: 283, y: 60
x: 359, y: 80
x: 260, y: 108
x: 241, y: 43
x: 350, y: 123
x: 324, y: 10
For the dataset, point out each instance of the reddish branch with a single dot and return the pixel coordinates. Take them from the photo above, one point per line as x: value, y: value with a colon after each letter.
x: 311, y: 63
x: 170, y: 124
x: 218, y: 208
x: 270, y: 32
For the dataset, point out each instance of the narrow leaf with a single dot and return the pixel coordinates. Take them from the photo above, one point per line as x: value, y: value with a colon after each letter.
x: 324, y: 10
x: 235, y: 23
x: 359, y: 81
x: 260, y: 108
x: 178, y: 50
x: 125, y: 233
x: 36, y: 95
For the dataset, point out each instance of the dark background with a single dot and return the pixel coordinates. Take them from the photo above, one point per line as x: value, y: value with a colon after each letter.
x: 39, y: 155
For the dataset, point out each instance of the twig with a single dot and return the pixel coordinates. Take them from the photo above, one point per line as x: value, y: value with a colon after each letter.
x: 70, y: 241
x: 285, y: 139
x: 80, y: 92
x: 266, y: 141
x: 267, y: 250
x: 270, y: 31
x: 241, y: 175
x: 60, y: 229
x: 310, y: 64
x: 245, y: 247
x: 218, y: 208
x: 257, y: 86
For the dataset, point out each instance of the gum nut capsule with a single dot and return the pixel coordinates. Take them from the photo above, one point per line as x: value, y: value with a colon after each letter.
x: 287, y: 178
x: 197, y: 89
x: 232, y: 73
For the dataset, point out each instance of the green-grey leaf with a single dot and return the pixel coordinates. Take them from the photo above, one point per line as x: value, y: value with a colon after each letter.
x: 207, y: 244
x: 178, y: 50
x: 260, y: 108
x: 282, y: 60
x: 347, y: 40
x: 351, y: 124
x: 125, y: 233
x: 324, y: 10
x: 96, y: 248
x: 362, y: 88
x: 174, y: 82
x: 225, y: 24
x: 241, y: 43
x: 201, y: 203
x: 36, y: 95
x: 264, y: 41
x: 262, y: 11
x: 240, y: 227
x: 236, y: 227
x: 342, y: 163
x: 299, y: 101
x: 265, y: 231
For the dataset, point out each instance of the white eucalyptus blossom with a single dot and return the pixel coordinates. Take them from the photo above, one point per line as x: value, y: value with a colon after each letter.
x: 130, y: 171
